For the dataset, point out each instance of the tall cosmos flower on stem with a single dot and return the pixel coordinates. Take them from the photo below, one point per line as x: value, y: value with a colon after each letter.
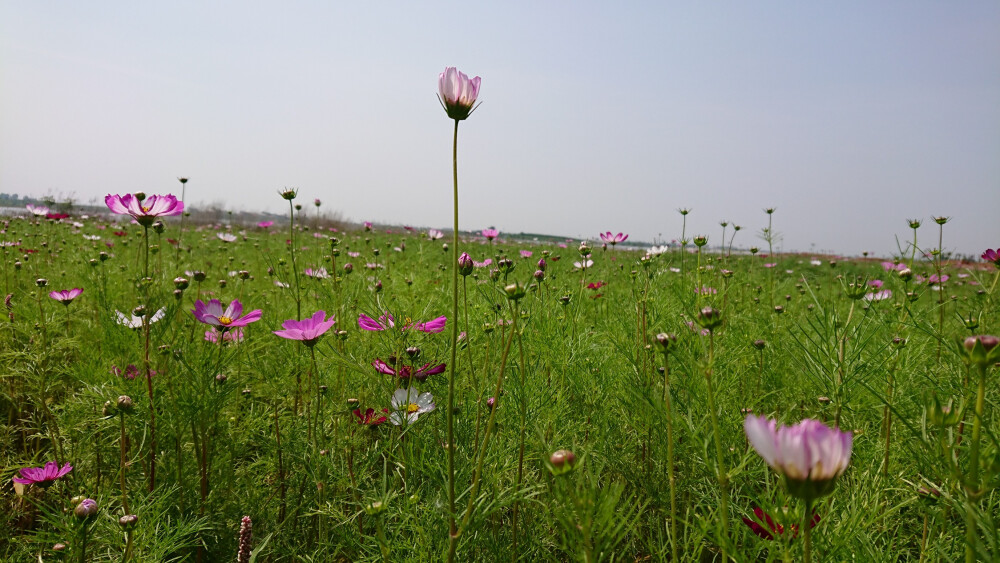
x: 613, y: 239
x: 66, y: 296
x: 810, y: 456
x: 146, y: 210
x: 43, y: 476
x: 457, y: 94
x: 231, y: 317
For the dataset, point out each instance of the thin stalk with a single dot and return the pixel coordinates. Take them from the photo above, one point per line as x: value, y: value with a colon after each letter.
x: 720, y: 460
x: 807, y: 532
x: 670, y: 457
x: 524, y: 416
x: 977, y: 426
x: 452, y: 527
x: 122, y: 464
x: 295, y: 268
x: 146, y: 363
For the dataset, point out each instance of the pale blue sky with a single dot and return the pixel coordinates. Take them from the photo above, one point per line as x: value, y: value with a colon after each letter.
x: 849, y: 117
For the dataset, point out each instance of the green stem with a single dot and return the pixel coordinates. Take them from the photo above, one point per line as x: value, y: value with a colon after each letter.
x: 973, y: 482
x: 807, y: 532
x: 670, y: 458
x: 720, y: 461
x: 452, y: 527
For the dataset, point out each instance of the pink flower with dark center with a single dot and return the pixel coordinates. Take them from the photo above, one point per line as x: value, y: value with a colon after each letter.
x: 457, y: 93
x: 431, y: 326
x: 525, y: 253
x: 613, y: 239
x: 877, y: 284
x: 307, y: 330
x: 145, y: 212
x: 405, y: 372
x: 66, y: 296
x: 129, y: 373
x: 772, y: 530
x: 810, y: 455
x: 934, y: 279
x: 371, y: 417
x: 368, y: 225
x: 231, y: 317
x: 491, y: 234
x: 879, y: 295
x: 57, y: 216
x: 596, y: 285
x: 265, y: 224
x: 43, y: 476
x: 434, y: 234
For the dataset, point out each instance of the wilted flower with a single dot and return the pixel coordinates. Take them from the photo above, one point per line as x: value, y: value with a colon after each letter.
x: 457, y: 93
x: 810, y: 455
x: 370, y: 417
x: 405, y: 372
x: 409, y: 404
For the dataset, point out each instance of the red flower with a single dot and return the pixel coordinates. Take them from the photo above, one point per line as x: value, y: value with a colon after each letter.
x: 772, y: 528
x: 370, y: 417
x: 596, y: 285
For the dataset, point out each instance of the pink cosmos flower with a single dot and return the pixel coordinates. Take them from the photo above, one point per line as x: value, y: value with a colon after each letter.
x: 772, y: 529
x: 146, y: 211
x: 992, y: 256
x: 810, y: 455
x: 935, y: 280
x: 226, y: 319
x: 482, y: 264
x: 265, y: 224
x: 405, y: 372
x: 128, y: 373
x: 434, y: 234
x: 320, y: 274
x: 877, y: 284
x: 457, y: 93
x: 613, y: 239
x: 432, y: 326
x: 525, y: 253
x: 43, y: 476
x: 234, y: 336
x: 66, y: 296
x: 705, y: 290
x: 892, y: 266
x: 368, y: 225
x: 879, y: 295
x: 491, y: 234
x: 307, y: 330
x: 383, y: 323
x: 37, y: 210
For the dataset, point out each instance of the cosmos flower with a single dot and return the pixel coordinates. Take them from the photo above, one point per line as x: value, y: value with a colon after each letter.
x: 234, y: 336
x: 596, y: 285
x: 490, y: 234
x: 405, y: 372
x: 409, y: 404
x: 133, y: 321
x: 226, y: 237
x: 37, y: 210
x: 145, y: 212
x: 584, y: 264
x: 992, y: 256
x: 457, y: 93
x: 384, y: 322
x: 434, y: 234
x: 307, y: 330
x: 878, y: 295
x: 212, y: 313
x: 892, y: 266
x: 810, y: 455
x: 370, y: 417
x: 877, y: 284
x: 431, y: 326
x: 368, y: 225
x: 66, y: 296
x: 613, y: 239
x: 320, y: 274
x: 705, y: 290
x: 43, y: 476
x: 525, y: 253
x: 265, y: 224
x: 772, y: 530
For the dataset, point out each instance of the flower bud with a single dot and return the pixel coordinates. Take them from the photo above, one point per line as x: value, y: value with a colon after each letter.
x: 139, y: 311
x: 700, y: 241
x: 465, y: 264
x: 759, y: 344
x: 181, y: 283
x: 539, y: 275
x: 59, y: 547
x: 514, y: 291
x: 86, y: 509
x: 221, y: 378
x: 288, y: 193
x: 710, y: 318
x: 158, y: 227
x: 506, y: 265
x: 542, y: 264
x: 199, y: 276
x: 41, y: 282
x: 561, y: 461
x: 124, y: 404
x: 666, y: 341
x: 348, y: 268
x: 128, y: 521
x: 413, y: 352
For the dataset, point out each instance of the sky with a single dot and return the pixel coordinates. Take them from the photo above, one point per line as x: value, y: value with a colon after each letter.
x: 847, y: 117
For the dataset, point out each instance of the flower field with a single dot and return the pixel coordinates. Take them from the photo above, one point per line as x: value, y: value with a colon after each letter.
x: 291, y: 391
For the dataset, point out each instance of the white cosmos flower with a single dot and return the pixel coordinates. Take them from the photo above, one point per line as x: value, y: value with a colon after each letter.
x: 409, y: 404
x: 132, y: 321
x: 226, y: 237
x: 584, y: 264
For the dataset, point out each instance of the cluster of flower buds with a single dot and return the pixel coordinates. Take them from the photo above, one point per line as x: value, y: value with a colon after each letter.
x: 981, y: 351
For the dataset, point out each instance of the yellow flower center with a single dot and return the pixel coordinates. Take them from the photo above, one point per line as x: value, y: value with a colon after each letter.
x: 225, y: 321
x: 145, y: 209
x: 411, y: 408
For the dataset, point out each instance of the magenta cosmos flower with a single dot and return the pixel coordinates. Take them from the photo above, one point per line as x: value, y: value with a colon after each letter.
x: 66, y: 296
x: 992, y: 256
x: 387, y: 321
x: 457, y: 93
x: 307, y: 330
x: 231, y: 317
x: 147, y: 210
x: 810, y: 455
x: 370, y: 417
x: 491, y: 234
x: 613, y: 239
x: 405, y: 372
x: 43, y: 476
x: 772, y: 530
